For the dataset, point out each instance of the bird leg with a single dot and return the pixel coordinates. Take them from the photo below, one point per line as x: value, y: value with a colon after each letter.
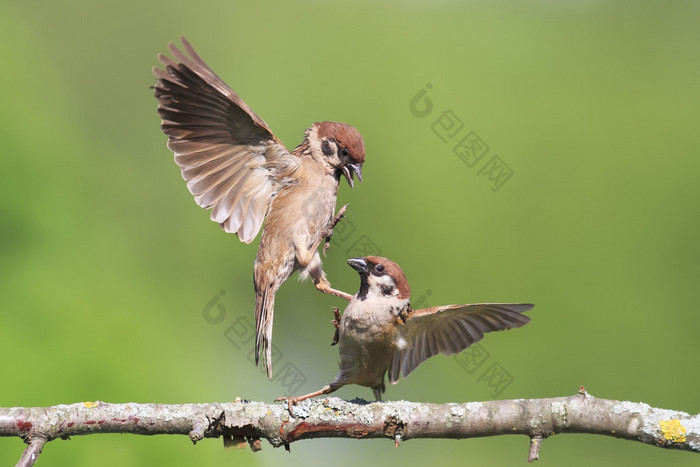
x: 304, y: 256
x: 324, y: 286
x: 328, y: 233
x: 336, y: 323
x: 295, y: 400
x: 311, y: 261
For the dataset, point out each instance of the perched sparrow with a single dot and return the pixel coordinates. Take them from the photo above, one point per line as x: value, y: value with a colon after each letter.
x: 380, y: 333
x: 234, y: 165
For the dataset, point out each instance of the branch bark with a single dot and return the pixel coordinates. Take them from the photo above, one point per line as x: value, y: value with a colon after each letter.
x: 242, y: 422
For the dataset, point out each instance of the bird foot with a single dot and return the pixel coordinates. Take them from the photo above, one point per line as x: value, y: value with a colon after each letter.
x: 339, y: 215
x: 328, y: 233
x: 336, y: 323
x: 291, y: 401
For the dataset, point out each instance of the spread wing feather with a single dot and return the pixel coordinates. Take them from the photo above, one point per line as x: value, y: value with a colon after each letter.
x: 228, y: 155
x: 451, y: 329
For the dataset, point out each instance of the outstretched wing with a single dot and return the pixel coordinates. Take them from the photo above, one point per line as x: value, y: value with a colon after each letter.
x: 451, y: 329
x: 228, y: 155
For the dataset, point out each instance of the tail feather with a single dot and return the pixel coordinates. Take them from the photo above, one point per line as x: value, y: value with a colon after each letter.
x: 264, y: 311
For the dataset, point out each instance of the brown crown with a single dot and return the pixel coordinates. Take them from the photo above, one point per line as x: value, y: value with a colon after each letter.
x: 394, y: 270
x: 347, y: 136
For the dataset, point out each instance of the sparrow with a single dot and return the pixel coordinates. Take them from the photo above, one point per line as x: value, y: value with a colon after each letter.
x: 235, y: 166
x: 380, y: 333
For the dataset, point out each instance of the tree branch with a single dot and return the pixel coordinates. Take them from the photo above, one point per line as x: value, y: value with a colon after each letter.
x: 31, y: 452
x: 242, y: 422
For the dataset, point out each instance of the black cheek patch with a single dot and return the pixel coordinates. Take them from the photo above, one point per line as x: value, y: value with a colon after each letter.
x: 364, y: 288
x: 326, y: 148
x: 387, y: 289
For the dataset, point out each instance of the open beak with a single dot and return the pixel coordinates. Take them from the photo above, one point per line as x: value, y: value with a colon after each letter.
x: 359, y: 265
x: 352, y: 169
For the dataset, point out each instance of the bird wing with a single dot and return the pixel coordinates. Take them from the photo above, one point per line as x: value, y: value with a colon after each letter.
x: 227, y: 154
x: 451, y: 329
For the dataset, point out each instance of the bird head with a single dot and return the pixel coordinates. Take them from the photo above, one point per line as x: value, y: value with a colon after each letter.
x: 380, y: 277
x: 340, y: 146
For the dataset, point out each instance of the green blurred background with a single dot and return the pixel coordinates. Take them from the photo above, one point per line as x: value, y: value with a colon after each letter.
x: 107, y: 265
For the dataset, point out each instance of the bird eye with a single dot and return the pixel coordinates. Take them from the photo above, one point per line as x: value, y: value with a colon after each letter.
x: 344, y: 152
x: 379, y: 268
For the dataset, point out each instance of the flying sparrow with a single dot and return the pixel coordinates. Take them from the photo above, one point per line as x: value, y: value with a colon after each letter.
x: 235, y: 166
x: 379, y: 332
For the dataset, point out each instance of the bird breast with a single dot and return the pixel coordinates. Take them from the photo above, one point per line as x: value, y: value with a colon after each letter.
x: 312, y: 200
x: 369, y: 335
x: 364, y: 323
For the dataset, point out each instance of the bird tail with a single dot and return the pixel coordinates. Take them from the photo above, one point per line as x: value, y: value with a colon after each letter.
x: 264, y: 311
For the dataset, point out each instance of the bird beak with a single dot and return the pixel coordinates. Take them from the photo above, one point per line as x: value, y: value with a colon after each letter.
x: 359, y: 265
x: 352, y: 169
